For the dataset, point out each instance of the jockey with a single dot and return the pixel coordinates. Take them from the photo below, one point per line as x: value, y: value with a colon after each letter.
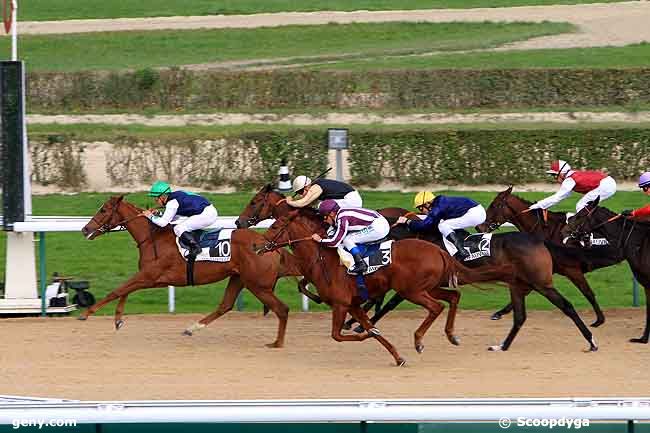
x: 323, y: 189
x: 590, y: 183
x: 644, y: 184
x: 198, y: 209
x: 448, y: 214
x: 353, y: 226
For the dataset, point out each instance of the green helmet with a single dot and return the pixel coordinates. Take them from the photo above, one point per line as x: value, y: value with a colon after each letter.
x: 159, y: 188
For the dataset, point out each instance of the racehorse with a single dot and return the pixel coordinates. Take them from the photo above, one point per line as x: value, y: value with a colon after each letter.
x: 530, y: 257
x: 572, y: 263
x: 416, y: 272
x: 161, y: 264
x: 629, y: 236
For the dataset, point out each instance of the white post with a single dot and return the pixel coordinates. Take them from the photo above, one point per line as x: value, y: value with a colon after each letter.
x: 172, y: 299
x: 14, y: 31
x: 305, y: 303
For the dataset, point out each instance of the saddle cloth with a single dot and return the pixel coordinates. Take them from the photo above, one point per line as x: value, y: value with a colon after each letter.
x: 477, y: 245
x: 376, y: 255
x: 215, y: 245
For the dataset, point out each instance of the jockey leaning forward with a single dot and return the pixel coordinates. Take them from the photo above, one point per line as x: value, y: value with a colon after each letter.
x: 353, y: 226
x: 323, y: 189
x: 199, y: 211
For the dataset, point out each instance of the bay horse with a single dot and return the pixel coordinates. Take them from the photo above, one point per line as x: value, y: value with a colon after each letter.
x: 417, y: 270
x: 530, y: 256
x: 160, y: 265
x: 572, y: 263
x: 630, y: 236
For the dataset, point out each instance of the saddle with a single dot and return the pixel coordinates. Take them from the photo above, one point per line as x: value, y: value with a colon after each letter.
x: 477, y: 245
x: 215, y: 247
x: 376, y: 254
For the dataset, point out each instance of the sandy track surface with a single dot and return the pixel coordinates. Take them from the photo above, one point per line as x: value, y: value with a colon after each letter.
x: 341, y: 118
x: 150, y: 359
x: 614, y: 24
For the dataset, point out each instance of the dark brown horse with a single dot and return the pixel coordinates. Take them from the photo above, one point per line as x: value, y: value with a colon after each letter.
x: 530, y: 257
x: 630, y: 236
x: 416, y: 272
x: 572, y: 263
x: 161, y: 265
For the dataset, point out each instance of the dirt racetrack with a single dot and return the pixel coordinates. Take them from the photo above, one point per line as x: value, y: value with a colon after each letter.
x: 150, y: 359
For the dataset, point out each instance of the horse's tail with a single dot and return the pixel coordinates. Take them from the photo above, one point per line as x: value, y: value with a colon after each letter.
x: 458, y: 274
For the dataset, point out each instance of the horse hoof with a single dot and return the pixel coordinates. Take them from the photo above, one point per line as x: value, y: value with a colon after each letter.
x: 119, y: 324
x: 401, y: 362
x: 359, y: 329
x: 597, y: 323
x: 187, y: 332
x: 454, y: 340
x: 82, y: 318
x: 496, y: 316
x: 347, y: 326
x: 374, y: 332
x: 639, y: 340
x: 498, y: 348
x: 274, y: 345
x: 419, y: 348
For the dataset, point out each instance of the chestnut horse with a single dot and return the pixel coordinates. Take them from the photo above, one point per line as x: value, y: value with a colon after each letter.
x: 161, y: 265
x: 572, y: 263
x: 629, y: 236
x: 417, y: 270
x: 532, y: 261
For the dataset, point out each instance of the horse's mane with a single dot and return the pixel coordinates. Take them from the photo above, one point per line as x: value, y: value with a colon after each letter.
x: 552, y: 214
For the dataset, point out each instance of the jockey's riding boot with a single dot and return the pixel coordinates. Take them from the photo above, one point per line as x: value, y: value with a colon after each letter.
x: 189, y: 240
x: 359, y: 265
x: 362, y: 289
x: 458, y: 243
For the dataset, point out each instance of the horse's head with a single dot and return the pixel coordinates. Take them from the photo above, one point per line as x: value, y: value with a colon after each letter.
x: 259, y: 208
x: 107, y: 217
x: 499, y: 212
x: 306, y: 222
x: 580, y: 225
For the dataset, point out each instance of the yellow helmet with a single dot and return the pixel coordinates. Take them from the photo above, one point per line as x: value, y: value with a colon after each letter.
x: 422, y: 198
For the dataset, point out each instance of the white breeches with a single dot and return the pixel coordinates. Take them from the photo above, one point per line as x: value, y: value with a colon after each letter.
x: 351, y: 199
x: 473, y: 217
x: 605, y: 190
x: 196, y: 222
x: 374, y: 232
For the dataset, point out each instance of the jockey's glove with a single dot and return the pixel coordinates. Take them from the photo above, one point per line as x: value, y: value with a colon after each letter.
x: 627, y: 213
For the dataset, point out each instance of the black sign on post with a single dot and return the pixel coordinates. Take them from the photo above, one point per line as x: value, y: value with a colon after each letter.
x: 11, y: 116
x: 337, y: 138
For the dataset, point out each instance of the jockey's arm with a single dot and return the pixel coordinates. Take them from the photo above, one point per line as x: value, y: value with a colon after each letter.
x: 641, y: 212
x: 432, y: 220
x: 314, y: 192
x: 566, y: 188
x: 170, y: 212
x: 337, y: 237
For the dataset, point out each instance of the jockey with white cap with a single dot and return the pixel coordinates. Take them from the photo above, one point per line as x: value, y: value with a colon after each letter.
x: 590, y: 183
x: 323, y: 189
x: 644, y: 184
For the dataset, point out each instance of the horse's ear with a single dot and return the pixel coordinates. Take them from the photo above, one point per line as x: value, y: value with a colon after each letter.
x: 509, y: 190
x: 595, y: 202
x: 119, y: 199
x: 268, y: 187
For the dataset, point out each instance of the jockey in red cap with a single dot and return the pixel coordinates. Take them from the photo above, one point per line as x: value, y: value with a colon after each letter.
x: 590, y: 183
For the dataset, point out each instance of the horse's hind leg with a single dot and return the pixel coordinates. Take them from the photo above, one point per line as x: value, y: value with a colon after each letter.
x: 502, y: 312
x: 366, y: 307
x: 119, y: 310
x: 578, y: 279
x: 385, y: 309
x: 517, y: 300
x: 134, y: 283
x: 452, y: 297
x: 233, y: 288
x: 563, y: 304
x: 361, y: 316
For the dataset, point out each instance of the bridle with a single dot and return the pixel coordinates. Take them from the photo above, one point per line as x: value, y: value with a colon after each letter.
x: 505, y: 204
x: 255, y: 218
x: 579, y: 233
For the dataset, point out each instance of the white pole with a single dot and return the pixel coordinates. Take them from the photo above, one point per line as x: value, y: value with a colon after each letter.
x: 14, y: 31
x: 305, y: 303
x: 172, y: 299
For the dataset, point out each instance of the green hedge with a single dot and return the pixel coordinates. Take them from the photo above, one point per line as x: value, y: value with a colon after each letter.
x: 243, y: 161
x: 177, y: 89
x: 407, y: 157
x: 477, y: 157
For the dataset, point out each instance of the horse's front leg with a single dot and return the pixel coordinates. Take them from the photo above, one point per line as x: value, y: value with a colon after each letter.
x: 136, y: 282
x: 118, y: 312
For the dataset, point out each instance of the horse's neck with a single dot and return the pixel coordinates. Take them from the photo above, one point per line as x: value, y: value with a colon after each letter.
x: 138, y: 227
x: 310, y: 255
x: 533, y: 222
